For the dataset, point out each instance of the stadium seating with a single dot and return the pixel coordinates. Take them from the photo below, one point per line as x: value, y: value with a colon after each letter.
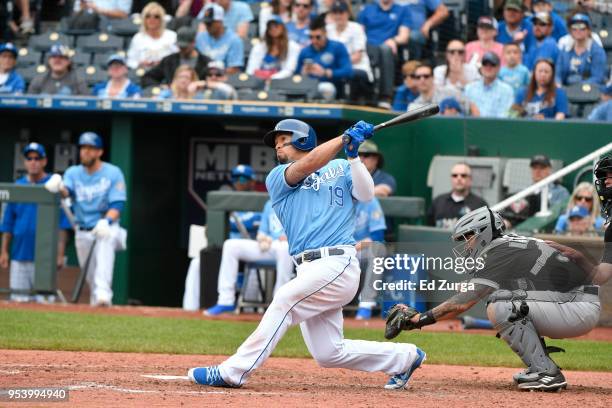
x: 30, y: 72
x: 296, y: 87
x: 43, y: 42
x: 261, y: 95
x: 28, y: 58
x: 81, y: 59
x: 100, y: 43
x: 92, y: 75
x: 245, y: 81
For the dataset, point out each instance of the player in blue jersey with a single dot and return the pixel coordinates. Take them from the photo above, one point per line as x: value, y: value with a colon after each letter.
x: 97, y: 190
x: 19, y: 229
x: 313, y: 195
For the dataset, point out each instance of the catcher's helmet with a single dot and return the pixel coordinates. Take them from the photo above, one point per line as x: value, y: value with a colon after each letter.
x: 601, y: 170
x: 90, y: 139
x: 475, y: 231
x: 303, y: 137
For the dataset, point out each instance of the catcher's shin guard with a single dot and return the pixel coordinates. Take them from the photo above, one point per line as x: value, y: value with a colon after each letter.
x: 522, y: 337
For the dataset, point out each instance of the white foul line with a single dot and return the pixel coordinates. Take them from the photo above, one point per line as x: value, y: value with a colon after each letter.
x: 166, y: 377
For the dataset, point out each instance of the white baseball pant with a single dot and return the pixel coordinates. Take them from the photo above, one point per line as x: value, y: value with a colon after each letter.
x: 314, y: 299
x: 21, y: 278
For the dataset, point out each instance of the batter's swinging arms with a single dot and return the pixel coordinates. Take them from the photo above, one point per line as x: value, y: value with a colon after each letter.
x: 313, y: 195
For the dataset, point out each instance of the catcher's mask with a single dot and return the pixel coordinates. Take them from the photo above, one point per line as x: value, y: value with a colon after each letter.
x: 475, y: 231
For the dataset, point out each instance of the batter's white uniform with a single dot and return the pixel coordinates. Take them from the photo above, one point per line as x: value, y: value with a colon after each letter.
x: 318, y: 215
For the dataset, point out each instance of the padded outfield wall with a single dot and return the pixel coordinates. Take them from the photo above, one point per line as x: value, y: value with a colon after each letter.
x: 171, y: 155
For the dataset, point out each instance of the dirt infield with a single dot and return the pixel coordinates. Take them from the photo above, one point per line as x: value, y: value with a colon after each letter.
x: 116, y: 379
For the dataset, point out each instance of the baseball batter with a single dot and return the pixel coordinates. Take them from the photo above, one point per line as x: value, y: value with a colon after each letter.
x: 98, y: 193
x: 313, y: 196
x: 533, y: 291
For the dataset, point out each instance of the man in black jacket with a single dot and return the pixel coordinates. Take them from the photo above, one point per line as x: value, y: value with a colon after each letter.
x: 163, y: 73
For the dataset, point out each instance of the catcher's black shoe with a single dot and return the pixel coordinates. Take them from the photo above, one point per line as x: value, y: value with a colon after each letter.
x: 543, y: 382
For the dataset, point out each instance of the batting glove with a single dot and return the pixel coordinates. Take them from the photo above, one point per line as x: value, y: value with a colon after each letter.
x: 356, y: 135
x: 54, y: 184
x: 102, y: 229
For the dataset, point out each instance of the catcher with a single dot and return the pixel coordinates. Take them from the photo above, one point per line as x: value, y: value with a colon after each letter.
x: 533, y: 290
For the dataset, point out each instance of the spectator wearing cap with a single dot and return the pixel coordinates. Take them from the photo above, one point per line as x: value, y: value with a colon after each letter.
x: 218, y: 43
x: 559, y: 28
x: 585, y: 202
x: 60, y: 78
x: 162, y: 73
x: 236, y: 16
x: 578, y: 222
x: 352, y: 35
x: 603, y: 111
x: 514, y: 73
x: 408, y: 91
x: 118, y: 84
x: 447, y: 208
x: 384, y: 183
x: 325, y: 60
x: 424, y: 16
x: 276, y: 56
x: 104, y: 8
x: 486, y: 30
x: 586, y: 60
x: 490, y: 96
x: 154, y: 41
x: 10, y: 81
x: 456, y: 73
x: 450, y: 107
x: 299, y: 28
x: 545, y: 46
x: 215, y: 85
x: 387, y: 26
x: 19, y: 228
x: 278, y: 9
x: 542, y: 99
x: 515, y: 27
x: 428, y: 91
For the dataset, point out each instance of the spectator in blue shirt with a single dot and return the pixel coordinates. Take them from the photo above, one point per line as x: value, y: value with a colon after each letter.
x: 490, y: 97
x: 559, y: 28
x: 387, y: 26
x: 420, y: 24
x: 515, y: 27
x: 118, y: 84
x: 586, y: 60
x: 603, y: 111
x: 384, y: 183
x: 325, y: 60
x: 545, y: 45
x: 406, y: 93
x: 514, y: 73
x: 299, y: 29
x: 220, y: 44
x: 542, y: 99
x: 237, y: 16
x: 10, y: 81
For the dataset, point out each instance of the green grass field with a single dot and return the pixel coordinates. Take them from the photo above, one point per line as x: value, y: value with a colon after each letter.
x: 23, y: 329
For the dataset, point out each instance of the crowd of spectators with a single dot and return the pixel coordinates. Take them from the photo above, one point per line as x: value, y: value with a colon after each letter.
x: 377, y: 52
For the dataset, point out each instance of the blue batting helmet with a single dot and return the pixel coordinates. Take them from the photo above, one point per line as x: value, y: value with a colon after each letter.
x: 90, y: 139
x: 243, y: 170
x: 303, y: 137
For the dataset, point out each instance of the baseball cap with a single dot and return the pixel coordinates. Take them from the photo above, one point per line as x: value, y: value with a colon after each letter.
x: 542, y: 16
x: 491, y: 58
x: 35, y: 147
x: 9, y: 47
x: 450, y: 103
x: 368, y: 147
x: 487, y: 22
x: 580, y: 19
x: 59, y: 50
x: 91, y: 139
x: 218, y: 66
x: 606, y: 89
x: 213, y: 12
x: 242, y: 170
x: 541, y: 160
x: 514, y: 4
x: 540, y: 1
x: 185, y: 36
x: 116, y: 58
x: 578, y: 212
x: 339, y: 6
x: 275, y: 19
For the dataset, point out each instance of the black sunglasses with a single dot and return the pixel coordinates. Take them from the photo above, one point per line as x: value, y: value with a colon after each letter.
x: 36, y: 158
x: 422, y: 76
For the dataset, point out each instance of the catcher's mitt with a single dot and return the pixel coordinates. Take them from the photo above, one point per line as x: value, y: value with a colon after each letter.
x: 399, y: 319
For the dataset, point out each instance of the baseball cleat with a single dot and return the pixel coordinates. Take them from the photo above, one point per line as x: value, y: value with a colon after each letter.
x: 543, y: 382
x: 363, y: 313
x: 218, y: 309
x: 207, y: 376
x: 516, y: 377
x: 401, y: 380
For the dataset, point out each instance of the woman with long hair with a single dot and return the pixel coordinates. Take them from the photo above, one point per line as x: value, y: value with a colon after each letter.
x: 456, y: 73
x: 542, y: 99
x: 276, y: 56
x: 181, y: 86
x: 585, y: 196
x: 154, y: 41
x: 277, y: 8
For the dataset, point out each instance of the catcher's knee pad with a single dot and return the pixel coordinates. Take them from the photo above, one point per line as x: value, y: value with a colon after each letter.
x: 519, y: 332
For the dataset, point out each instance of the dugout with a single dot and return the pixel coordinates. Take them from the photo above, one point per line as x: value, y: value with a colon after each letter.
x: 172, y: 153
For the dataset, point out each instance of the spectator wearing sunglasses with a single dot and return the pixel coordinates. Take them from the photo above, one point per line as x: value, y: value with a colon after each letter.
x: 428, y: 91
x: 384, y: 183
x: 154, y: 41
x: 447, y: 208
x: 490, y: 97
x: 545, y: 46
x: 559, y: 28
x: 586, y: 60
x: 215, y: 85
x: 486, y: 30
x: 583, y: 204
x: 298, y: 30
x: 408, y: 91
x: 456, y: 73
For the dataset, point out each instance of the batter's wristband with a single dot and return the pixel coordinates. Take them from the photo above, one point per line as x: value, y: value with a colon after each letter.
x: 425, y: 319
